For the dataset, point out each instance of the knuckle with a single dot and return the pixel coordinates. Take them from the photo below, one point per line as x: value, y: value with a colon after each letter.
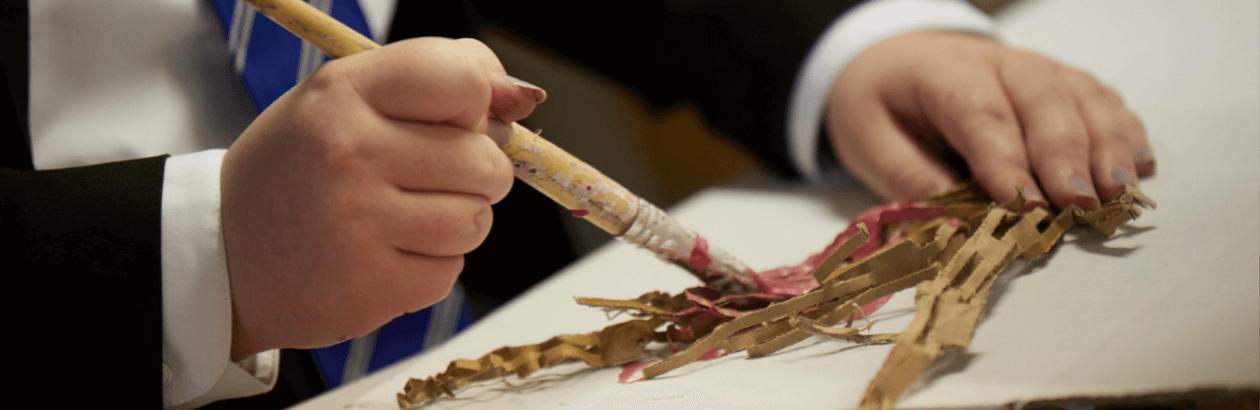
x: 983, y: 108
x: 471, y: 226
x: 1087, y: 87
x: 472, y: 44
x: 1111, y: 131
x: 465, y: 228
x: 502, y: 176
x: 1060, y: 133
x: 909, y: 183
x: 1005, y: 162
x: 327, y: 76
x: 1052, y: 94
x: 482, y: 218
x: 1135, y: 124
x: 339, y: 151
x: 441, y: 274
x: 1106, y: 93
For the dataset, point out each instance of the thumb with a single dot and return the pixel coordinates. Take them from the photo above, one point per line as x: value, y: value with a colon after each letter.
x: 512, y: 99
x: 884, y: 154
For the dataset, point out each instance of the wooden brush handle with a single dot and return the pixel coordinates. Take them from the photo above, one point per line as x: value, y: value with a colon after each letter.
x: 573, y: 184
x: 321, y: 30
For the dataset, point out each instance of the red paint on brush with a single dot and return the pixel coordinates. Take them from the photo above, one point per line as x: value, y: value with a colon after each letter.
x: 700, y: 257
x: 579, y: 212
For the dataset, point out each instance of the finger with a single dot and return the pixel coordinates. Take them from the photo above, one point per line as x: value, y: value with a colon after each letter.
x: 423, y: 157
x: 1112, y: 146
x: 410, y: 282
x: 513, y: 99
x: 390, y: 283
x: 1058, y: 143
x: 426, y: 280
x: 883, y: 155
x: 1143, y: 156
x: 423, y: 80
x: 974, y: 115
x: 437, y: 224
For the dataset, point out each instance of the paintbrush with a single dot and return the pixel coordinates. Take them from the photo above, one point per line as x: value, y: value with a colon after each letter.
x: 582, y: 189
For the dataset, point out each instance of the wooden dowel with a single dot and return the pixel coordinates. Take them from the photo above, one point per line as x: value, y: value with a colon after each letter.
x: 573, y: 184
x: 321, y: 30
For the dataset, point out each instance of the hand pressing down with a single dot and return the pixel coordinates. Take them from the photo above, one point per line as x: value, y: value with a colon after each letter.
x: 354, y: 197
x: 1015, y: 118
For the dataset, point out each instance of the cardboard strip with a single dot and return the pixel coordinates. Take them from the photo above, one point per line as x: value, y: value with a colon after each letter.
x: 844, y: 333
x: 844, y: 309
x: 841, y: 254
x: 615, y: 344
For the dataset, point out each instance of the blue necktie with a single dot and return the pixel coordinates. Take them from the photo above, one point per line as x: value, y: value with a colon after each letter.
x: 270, y: 61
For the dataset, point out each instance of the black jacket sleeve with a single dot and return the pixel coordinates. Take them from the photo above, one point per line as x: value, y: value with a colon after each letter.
x: 736, y: 60
x: 83, y: 257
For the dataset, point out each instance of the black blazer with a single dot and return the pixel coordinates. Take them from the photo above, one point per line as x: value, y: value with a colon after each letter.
x: 735, y: 60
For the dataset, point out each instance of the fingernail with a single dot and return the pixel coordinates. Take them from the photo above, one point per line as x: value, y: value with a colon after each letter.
x: 1034, y: 194
x: 1144, y: 159
x: 1083, y: 188
x: 1123, y: 176
x: 1086, y: 197
x: 1034, y: 204
x: 539, y: 94
x: 499, y: 132
x: 1034, y: 199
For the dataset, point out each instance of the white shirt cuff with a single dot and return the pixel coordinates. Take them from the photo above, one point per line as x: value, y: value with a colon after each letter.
x: 858, y: 29
x: 196, y: 296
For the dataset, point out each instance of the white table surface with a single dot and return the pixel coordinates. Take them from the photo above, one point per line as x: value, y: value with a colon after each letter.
x: 1171, y: 303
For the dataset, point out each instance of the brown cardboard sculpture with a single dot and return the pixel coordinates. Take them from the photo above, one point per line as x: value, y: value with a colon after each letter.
x: 951, y: 247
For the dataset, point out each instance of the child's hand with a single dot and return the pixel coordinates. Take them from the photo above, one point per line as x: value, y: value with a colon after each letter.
x: 354, y: 197
x: 1015, y: 117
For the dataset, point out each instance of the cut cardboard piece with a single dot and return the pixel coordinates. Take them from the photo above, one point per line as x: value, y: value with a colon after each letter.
x: 953, y: 255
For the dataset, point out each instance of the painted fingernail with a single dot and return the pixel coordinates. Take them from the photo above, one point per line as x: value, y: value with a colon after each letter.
x: 1143, y: 154
x: 1086, y: 197
x: 499, y: 132
x: 539, y: 94
x: 1034, y: 204
x: 1034, y: 194
x: 1081, y: 187
x: 1123, y: 176
x: 1034, y: 199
